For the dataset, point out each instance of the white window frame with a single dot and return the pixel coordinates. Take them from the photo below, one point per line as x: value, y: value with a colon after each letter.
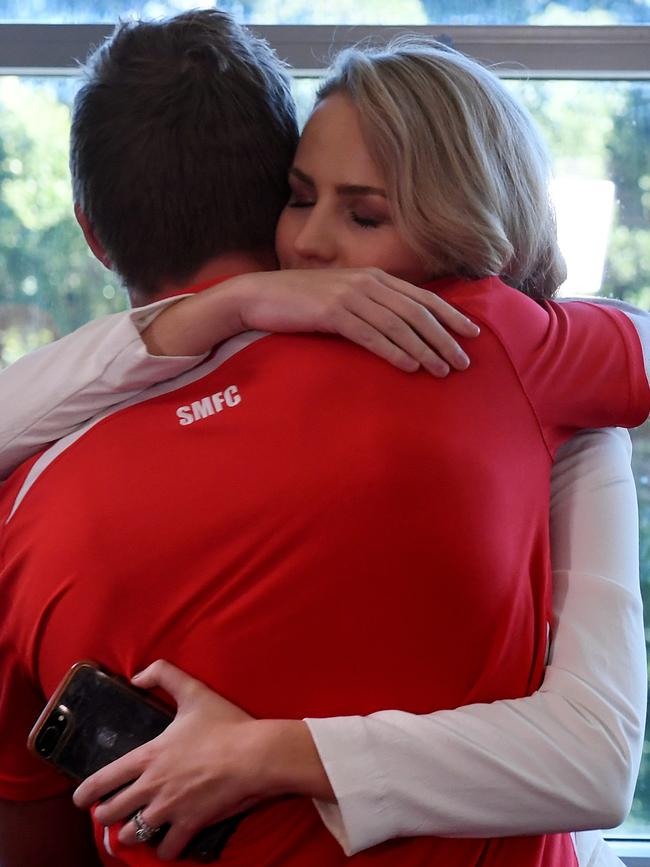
x: 590, y: 53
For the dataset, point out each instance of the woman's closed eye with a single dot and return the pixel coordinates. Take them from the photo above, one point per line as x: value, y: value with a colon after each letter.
x: 300, y: 203
x: 365, y: 222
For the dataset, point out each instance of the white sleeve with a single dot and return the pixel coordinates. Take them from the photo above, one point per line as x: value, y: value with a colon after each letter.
x: 49, y: 393
x: 565, y: 758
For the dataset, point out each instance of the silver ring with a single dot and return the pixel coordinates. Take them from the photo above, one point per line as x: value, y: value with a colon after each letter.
x: 145, y: 832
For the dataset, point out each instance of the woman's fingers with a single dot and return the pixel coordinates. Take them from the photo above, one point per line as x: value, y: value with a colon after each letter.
x: 447, y: 314
x: 175, y: 840
x: 123, y: 804
x: 109, y: 779
x: 430, y: 316
x: 150, y: 817
x: 163, y: 674
x: 358, y: 330
x: 412, y: 319
x: 444, y: 312
x: 186, y: 690
x: 409, y: 327
x: 178, y: 830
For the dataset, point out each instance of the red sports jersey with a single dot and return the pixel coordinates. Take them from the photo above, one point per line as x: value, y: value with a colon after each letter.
x: 314, y: 533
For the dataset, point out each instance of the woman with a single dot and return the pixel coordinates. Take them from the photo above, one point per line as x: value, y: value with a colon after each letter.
x: 301, y: 243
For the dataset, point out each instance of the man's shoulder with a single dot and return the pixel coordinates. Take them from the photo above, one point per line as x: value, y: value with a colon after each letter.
x: 492, y: 301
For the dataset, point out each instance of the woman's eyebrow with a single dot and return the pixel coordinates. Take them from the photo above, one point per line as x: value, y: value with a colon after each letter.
x: 359, y: 190
x: 306, y: 179
x: 342, y: 189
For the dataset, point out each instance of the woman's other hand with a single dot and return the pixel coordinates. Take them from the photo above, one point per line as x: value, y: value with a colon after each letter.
x: 214, y: 760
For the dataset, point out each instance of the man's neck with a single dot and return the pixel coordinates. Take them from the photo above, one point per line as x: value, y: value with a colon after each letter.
x: 226, y: 265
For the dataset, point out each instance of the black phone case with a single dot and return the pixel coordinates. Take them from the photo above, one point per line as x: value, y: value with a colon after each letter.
x: 99, y: 717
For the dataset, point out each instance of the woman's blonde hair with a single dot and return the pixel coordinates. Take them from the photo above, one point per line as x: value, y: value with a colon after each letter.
x: 463, y: 162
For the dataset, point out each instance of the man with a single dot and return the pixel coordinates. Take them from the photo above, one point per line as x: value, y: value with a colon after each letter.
x: 241, y: 520
x: 246, y: 141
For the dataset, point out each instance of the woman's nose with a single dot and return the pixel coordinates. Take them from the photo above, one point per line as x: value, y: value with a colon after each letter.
x: 315, y: 241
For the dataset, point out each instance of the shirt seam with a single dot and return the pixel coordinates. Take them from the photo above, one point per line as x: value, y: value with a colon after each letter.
x: 489, y: 326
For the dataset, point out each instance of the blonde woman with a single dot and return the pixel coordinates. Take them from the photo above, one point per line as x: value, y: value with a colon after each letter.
x: 322, y: 227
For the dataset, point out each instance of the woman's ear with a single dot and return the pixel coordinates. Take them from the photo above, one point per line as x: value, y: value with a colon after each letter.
x: 91, y: 239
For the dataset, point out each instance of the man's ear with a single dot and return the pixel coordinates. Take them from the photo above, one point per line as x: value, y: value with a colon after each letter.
x: 91, y: 239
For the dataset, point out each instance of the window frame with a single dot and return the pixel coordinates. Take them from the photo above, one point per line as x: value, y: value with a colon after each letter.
x: 617, y: 52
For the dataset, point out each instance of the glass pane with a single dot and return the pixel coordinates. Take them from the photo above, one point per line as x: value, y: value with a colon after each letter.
x: 85, y: 12
x: 451, y: 12
x: 600, y: 137
x: 599, y: 133
x: 50, y: 281
x: 407, y: 12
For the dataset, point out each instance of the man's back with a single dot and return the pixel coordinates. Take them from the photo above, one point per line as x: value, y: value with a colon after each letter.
x: 311, y: 533
x: 322, y: 509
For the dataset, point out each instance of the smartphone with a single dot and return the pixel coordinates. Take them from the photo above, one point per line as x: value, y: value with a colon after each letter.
x: 95, y: 717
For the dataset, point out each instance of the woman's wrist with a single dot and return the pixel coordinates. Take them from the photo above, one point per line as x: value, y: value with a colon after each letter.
x: 288, y: 754
x: 194, y: 325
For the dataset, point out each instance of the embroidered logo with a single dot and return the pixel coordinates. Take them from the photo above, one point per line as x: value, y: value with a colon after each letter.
x: 210, y: 405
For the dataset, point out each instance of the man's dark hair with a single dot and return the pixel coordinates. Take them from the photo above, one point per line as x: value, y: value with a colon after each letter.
x: 182, y: 135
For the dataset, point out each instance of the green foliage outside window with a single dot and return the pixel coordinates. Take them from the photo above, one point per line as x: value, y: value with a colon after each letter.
x: 387, y: 12
x: 44, y: 262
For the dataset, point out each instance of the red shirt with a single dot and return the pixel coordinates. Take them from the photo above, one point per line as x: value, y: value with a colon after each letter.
x: 314, y: 533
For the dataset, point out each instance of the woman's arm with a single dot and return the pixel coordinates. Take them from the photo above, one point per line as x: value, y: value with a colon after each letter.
x: 51, y: 392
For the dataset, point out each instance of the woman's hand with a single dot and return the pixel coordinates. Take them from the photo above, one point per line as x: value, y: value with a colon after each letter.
x: 214, y: 760
x: 405, y: 325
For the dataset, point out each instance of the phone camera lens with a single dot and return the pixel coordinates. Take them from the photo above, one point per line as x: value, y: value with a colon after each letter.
x: 48, y: 739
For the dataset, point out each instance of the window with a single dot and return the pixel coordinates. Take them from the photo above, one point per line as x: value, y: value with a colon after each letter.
x: 407, y: 13
x: 50, y: 282
x: 583, y: 68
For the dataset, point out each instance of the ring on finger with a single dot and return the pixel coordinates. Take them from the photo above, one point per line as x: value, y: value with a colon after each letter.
x: 145, y: 832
